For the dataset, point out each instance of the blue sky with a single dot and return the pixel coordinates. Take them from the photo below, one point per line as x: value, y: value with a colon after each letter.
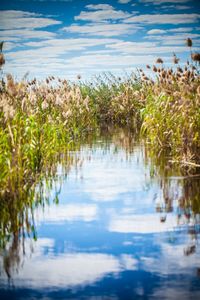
x: 69, y: 37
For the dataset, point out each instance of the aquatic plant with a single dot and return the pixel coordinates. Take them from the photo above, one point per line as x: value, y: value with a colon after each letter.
x: 171, y: 117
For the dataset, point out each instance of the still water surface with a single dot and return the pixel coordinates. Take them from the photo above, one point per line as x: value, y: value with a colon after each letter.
x: 120, y: 230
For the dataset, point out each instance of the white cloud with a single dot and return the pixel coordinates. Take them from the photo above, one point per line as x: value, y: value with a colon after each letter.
x: 157, y: 2
x: 176, y: 291
x: 70, y: 212
x: 124, y: 1
x: 174, y: 39
x: 25, y: 34
x: 67, y: 269
x: 164, y: 19
x: 145, y: 223
x: 156, y: 31
x: 171, y: 260
x: 174, y: 30
x: 101, y: 12
x: 175, y: 7
x: 13, y: 19
x: 181, y: 29
x: 145, y: 48
x: 99, y: 6
x: 101, y: 29
x: 106, y: 184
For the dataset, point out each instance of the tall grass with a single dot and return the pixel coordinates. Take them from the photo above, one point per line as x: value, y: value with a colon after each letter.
x: 171, y: 117
x: 37, y: 122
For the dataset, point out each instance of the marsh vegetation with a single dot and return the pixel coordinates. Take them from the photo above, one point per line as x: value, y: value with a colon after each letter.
x: 41, y: 121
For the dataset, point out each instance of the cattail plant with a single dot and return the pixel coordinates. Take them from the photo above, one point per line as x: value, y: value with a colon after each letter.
x: 2, y: 61
x: 196, y: 57
x: 175, y: 59
x: 159, y: 61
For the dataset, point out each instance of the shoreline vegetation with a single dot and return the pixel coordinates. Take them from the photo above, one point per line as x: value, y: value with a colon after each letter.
x: 40, y: 120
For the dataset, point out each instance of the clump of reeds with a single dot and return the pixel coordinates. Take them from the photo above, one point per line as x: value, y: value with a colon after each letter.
x: 171, y: 115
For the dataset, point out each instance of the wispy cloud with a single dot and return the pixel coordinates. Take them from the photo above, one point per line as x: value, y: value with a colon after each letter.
x: 124, y: 1
x: 13, y: 19
x: 101, y: 12
x: 178, y: 39
x: 101, y: 29
x: 25, y: 34
x: 174, y: 7
x: 156, y: 31
x: 158, y: 2
x: 172, y: 19
x: 174, y: 30
x: 135, y: 48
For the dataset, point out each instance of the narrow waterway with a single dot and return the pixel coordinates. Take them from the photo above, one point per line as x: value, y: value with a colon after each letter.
x: 120, y: 224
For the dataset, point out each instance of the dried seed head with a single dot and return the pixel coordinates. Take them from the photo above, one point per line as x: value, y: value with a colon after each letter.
x: 78, y: 76
x: 170, y: 72
x: 148, y: 66
x: 189, y: 42
x: 175, y: 59
x: 1, y: 46
x: 155, y: 69
x: 163, y: 75
x: 179, y: 70
x: 2, y: 59
x: 195, y: 57
x: 159, y: 61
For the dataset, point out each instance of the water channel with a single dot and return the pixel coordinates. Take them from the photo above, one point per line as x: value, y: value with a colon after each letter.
x: 120, y: 223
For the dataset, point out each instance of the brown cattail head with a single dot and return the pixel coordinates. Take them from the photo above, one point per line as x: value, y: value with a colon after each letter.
x: 155, y: 69
x: 170, y: 72
x: 195, y: 57
x: 189, y: 42
x: 2, y: 59
x: 1, y: 46
x: 175, y: 59
x: 148, y: 66
x: 179, y: 70
x: 159, y: 61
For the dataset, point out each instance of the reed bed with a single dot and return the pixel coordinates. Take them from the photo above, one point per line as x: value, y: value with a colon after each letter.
x: 39, y: 119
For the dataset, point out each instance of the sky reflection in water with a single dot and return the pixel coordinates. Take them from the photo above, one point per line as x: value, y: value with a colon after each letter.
x: 105, y: 240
